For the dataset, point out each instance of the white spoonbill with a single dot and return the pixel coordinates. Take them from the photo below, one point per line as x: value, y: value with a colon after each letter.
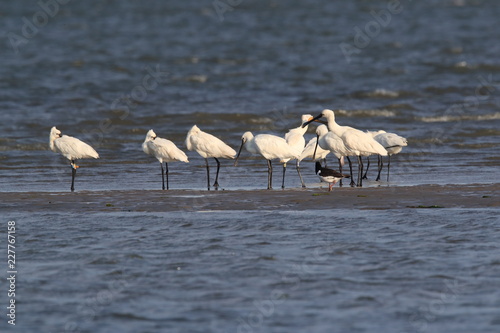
x: 393, y: 143
x: 207, y: 146
x: 357, y: 142
x: 71, y: 148
x: 329, y: 175
x: 164, y: 150
x: 295, y: 139
x: 270, y: 147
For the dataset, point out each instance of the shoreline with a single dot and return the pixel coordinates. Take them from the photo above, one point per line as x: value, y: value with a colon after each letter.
x: 372, y: 198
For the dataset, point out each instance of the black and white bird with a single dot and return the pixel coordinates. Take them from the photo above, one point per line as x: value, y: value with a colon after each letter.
x: 329, y: 175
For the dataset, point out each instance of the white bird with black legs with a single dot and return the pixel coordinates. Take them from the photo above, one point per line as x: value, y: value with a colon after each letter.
x: 357, y: 142
x: 165, y: 151
x: 329, y: 175
x: 295, y: 140
x: 393, y: 143
x: 270, y: 147
x: 71, y: 148
x: 208, y: 146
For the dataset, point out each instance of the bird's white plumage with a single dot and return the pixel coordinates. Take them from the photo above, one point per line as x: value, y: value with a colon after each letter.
x: 70, y: 147
x: 208, y: 145
x: 164, y: 150
x: 269, y: 146
x: 311, y: 146
x: 334, y: 144
x: 273, y: 147
x: 392, y: 142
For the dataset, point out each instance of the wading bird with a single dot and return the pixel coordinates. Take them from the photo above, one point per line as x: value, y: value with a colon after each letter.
x: 357, y: 142
x: 208, y: 146
x: 393, y: 143
x: 71, y: 148
x: 270, y: 147
x: 164, y: 150
x: 329, y: 175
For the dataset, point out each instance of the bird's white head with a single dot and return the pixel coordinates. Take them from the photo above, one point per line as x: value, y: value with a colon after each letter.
x: 54, y: 134
x: 328, y: 114
x: 194, y: 129
x: 305, y: 118
x: 321, y: 130
x: 246, y: 136
x: 151, y: 135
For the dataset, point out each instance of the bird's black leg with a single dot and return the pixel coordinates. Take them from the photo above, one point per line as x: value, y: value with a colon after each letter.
x: 216, y: 184
x: 283, y: 181
x: 162, y: 177
x: 340, y: 170
x: 166, y: 173
x: 388, y: 166
x: 380, y: 165
x: 350, y: 170
x: 367, y: 166
x: 269, y: 175
x: 73, y: 174
x: 208, y: 174
x: 360, y: 171
x: 300, y: 176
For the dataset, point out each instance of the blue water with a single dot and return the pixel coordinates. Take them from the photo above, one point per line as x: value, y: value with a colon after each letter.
x: 267, y: 271
x: 108, y: 71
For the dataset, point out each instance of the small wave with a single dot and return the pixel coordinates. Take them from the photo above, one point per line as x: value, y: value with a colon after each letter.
x: 381, y: 93
x: 366, y: 113
x: 439, y: 119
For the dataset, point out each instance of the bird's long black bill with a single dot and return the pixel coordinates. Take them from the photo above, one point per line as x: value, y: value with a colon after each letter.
x: 311, y: 120
x: 316, y: 147
x: 239, y: 152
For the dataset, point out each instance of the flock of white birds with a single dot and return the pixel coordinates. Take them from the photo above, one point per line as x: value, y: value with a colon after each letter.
x: 341, y: 141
